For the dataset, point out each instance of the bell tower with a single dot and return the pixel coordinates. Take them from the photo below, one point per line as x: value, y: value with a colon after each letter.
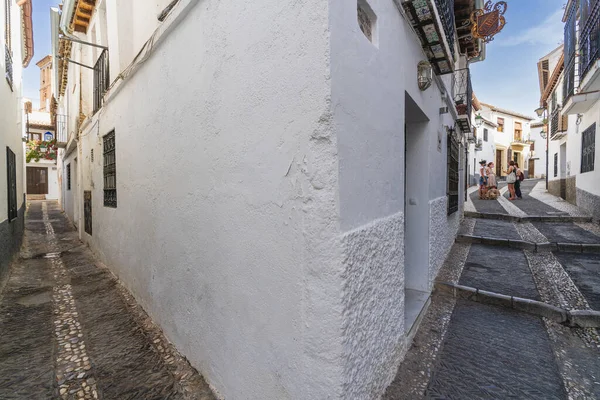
x: 45, y: 65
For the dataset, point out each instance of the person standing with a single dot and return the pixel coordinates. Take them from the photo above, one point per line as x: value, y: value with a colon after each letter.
x: 520, y: 177
x: 491, y: 183
x: 482, y: 180
x: 511, y: 178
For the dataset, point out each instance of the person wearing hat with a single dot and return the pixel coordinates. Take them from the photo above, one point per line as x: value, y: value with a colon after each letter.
x: 482, y: 180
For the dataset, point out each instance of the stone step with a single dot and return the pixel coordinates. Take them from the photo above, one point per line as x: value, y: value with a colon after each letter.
x: 531, y: 246
x: 36, y: 197
x: 572, y: 318
x: 529, y: 218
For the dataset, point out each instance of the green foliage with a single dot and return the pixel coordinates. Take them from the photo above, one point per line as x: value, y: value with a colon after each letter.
x: 41, y: 149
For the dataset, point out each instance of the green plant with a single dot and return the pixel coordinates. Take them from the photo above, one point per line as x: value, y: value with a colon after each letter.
x: 34, y: 150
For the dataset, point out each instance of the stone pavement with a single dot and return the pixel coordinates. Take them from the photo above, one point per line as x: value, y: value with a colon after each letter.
x: 468, y: 350
x: 71, y: 331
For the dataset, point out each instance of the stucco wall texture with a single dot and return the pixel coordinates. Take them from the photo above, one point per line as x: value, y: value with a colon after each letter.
x: 270, y: 256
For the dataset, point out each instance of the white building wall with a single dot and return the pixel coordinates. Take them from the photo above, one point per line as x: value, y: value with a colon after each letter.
x: 373, y: 86
x: 226, y: 228
x: 312, y: 158
x: 539, y: 153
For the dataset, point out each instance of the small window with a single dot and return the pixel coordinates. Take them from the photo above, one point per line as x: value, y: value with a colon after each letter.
x: 500, y: 124
x: 485, y: 134
x: 518, y: 132
x: 555, y: 164
x: 588, y: 149
x: 11, y: 169
x: 366, y: 20
x: 110, y: 171
x: 68, y: 176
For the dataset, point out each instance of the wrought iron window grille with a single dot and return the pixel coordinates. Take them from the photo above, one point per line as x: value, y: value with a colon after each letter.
x: 101, y: 79
x: 9, y: 67
x: 68, y: 176
x: 110, y: 171
x: 589, y: 39
x: 11, y: 175
x: 588, y: 149
x: 453, y: 175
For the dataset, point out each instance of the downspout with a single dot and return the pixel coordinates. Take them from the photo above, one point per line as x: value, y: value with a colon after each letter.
x: 65, y: 18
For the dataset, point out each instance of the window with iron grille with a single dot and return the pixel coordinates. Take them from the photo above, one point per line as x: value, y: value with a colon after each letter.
x: 589, y: 39
x: 8, y: 43
x: 570, y: 40
x: 68, y: 176
x: 446, y: 12
x: 485, y: 134
x: 555, y: 164
x: 11, y: 169
x: 453, y: 154
x: 110, y: 171
x: 588, y: 149
x: 101, y: 77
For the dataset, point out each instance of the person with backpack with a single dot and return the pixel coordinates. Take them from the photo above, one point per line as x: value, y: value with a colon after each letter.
x: 520, y: 177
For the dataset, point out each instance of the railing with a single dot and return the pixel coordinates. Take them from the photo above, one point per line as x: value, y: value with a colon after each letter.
x: 558, y: 123
x: 589, y: 40
x: 446, y: 11
x: 9, y: 66
x: 570, y: 52
x: 101, y: 80
x: 479, y: 144
x: 61, y: 128
x: 463, y: 91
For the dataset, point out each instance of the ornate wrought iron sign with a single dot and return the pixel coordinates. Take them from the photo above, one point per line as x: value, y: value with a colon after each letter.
x: 489, y: 21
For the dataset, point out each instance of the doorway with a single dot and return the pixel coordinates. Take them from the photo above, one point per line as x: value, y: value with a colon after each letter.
x: 75, y: 187
x: 37, y: 180
x: 499, y: 159
x: 416, y: 212
x: 563, y: 170
x: 531, y: 169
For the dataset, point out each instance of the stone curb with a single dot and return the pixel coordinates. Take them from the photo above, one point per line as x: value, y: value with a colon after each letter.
x: 530, y: 218
x: 531, y: 246
x: 571, y: 318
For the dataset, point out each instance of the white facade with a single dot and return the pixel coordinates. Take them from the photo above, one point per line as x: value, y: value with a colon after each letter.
x: 511, y: 138
x: 40, y: 128
x: 16, y: 47
x: 538, y: 150
x: 570, y: 97
x: 272, y: 213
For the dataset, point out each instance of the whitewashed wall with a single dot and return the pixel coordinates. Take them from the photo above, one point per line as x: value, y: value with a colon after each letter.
x: 11, y: 111
x: 226, y: 227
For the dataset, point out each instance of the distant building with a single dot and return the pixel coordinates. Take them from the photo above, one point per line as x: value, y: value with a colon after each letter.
x: 41, y: 149
x: 16, y: 46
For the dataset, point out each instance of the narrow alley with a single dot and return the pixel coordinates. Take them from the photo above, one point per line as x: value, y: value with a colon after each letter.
x: 71, y: 331
x: 479, y: 348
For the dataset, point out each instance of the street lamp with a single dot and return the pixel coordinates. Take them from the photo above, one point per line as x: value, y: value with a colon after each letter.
x: 541, y: 112
x: 478, y: 120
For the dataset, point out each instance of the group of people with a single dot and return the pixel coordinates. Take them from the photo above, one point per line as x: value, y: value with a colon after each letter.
x: 488, y: 187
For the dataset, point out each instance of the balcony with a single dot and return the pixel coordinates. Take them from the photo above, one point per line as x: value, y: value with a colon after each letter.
x: 101, y: 80
x: 558, y: 124
x: 589, y: 39
x: 463, y: 97
x: 9, y: 67
x: 433, y: 21
x: 479, y: 145
x: 472, y: 136
x: 60, y: 129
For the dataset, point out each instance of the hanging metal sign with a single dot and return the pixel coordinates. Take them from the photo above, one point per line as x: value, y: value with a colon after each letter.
x: 489, y: 21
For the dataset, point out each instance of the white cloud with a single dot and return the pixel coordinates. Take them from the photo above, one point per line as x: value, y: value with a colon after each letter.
x: 548, y: 32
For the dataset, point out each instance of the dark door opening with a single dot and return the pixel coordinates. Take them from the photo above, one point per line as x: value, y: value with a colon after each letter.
x: 37, y: 180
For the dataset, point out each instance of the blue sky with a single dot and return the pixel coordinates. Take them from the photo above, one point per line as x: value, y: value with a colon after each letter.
x: 507, y: 78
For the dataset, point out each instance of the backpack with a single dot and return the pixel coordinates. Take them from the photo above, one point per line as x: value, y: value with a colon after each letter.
x: 521, y: 176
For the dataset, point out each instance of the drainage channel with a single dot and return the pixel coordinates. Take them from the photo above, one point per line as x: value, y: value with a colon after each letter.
x: 73, y: 365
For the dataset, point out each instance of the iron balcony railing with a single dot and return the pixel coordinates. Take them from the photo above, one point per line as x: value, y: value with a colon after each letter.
x: 101, y: 79
x: 589, y: 39
x: 558, y: 123
x: 463, y: 91
x: 570, y: 52
x: 9, y: 66
x: 61, y: 128
x: 445, y: 9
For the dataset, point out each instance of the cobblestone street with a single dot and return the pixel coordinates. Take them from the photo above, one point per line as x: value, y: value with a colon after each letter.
x: 468, y: 350
x: 71, y: 331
